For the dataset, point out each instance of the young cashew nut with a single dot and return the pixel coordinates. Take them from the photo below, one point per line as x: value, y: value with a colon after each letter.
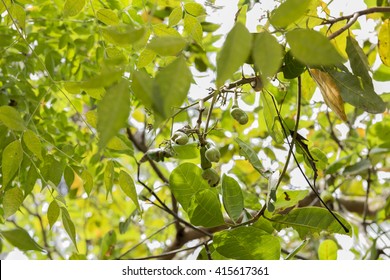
x: 213, y: 154
x: 211, y: 176
x: 180, y: 138
x: 239, y: 115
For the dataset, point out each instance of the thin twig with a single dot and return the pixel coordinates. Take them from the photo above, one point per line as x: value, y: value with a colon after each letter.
x: 170, y: 253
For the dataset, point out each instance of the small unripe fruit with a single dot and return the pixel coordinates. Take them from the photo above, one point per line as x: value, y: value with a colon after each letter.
x: 213, y: 154
x: 211, y: 176
x: 239, y: 115
x: 180, y: 138
x: 204, y: 162
x: 327, y: 197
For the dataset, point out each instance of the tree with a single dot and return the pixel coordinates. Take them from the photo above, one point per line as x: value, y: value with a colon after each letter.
x: 107, y: 152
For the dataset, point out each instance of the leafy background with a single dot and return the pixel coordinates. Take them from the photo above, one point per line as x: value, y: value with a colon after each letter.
x: 93, y: 91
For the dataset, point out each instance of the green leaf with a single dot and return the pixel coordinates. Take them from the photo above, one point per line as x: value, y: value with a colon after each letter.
x: 328, y: 250
x: 289, y: 198
x: 69, y: 226
x: 113, y: 111
x: 145, y: 58
x: 193, y: 28
x: 53, y: 212
x: 11, y: 118
x: 292, y: 68
x: 73, y: 7
x: 311, y: 220
x: 107, y: 16
x: 167, y: 45
x: 241, y: 14
x: 108, y: 176
x: 358, y: 94
x: 175, y: 16
x: 271, y: 117
x: 251, y: 156
x: 194, y: 9
x: 118, y: 144
x: 142, y: 86
x: 267, y: 54
x: 122, y: 35
x: 33, y: 143
x: 170, y: 89
x: 247, y: 243
x: 108, y: 244
x: 185, y: 181
x: 188, y: 151
x: 357, y: 168
x: 358, y: 60
x: 87, y: 181
x: 128, y: 187
x: 234, y: 52
x: 204, y: 209
x: 12, y: 200
x: 232, y: 197
x: 19, y: 15
x: 382, y: 74
x: 312, y: 48
x: 12, y: 158
x: 289, y: 12
x: 19, y: 238
x: 384, y: 42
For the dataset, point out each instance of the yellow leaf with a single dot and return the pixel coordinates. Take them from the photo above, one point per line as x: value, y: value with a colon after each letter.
x: 330, y: 92
x: 384, y: 42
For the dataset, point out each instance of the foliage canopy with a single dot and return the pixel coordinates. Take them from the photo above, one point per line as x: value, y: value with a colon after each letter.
x: 112, y: 148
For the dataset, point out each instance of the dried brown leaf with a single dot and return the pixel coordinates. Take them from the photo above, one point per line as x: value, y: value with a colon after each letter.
x: 330, y: 92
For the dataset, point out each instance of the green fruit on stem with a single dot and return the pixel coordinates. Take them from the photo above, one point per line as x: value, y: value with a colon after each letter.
x: 180, y: 138
x: 204, y: 162
x: 213, y: 154
x: 327, y: 196
x: 239, y: 115
x: 211, y: 176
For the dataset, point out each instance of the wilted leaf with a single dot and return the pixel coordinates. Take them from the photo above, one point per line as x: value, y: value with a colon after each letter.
x: 21, y: 239
x: 330, y: 92
x: 384, y: 42
x: 312, y: 48
x: 234, y: 52
x: 12, y: 158
x: 247, y: 243
x: 232, y: 197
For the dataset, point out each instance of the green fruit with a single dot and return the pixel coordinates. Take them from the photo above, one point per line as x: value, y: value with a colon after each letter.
x: 239, y: 115
x: 204, y: 162
x: 213, y: 154
x: 180, y: 138
x: 211, y: 176
x: 327, y: 196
